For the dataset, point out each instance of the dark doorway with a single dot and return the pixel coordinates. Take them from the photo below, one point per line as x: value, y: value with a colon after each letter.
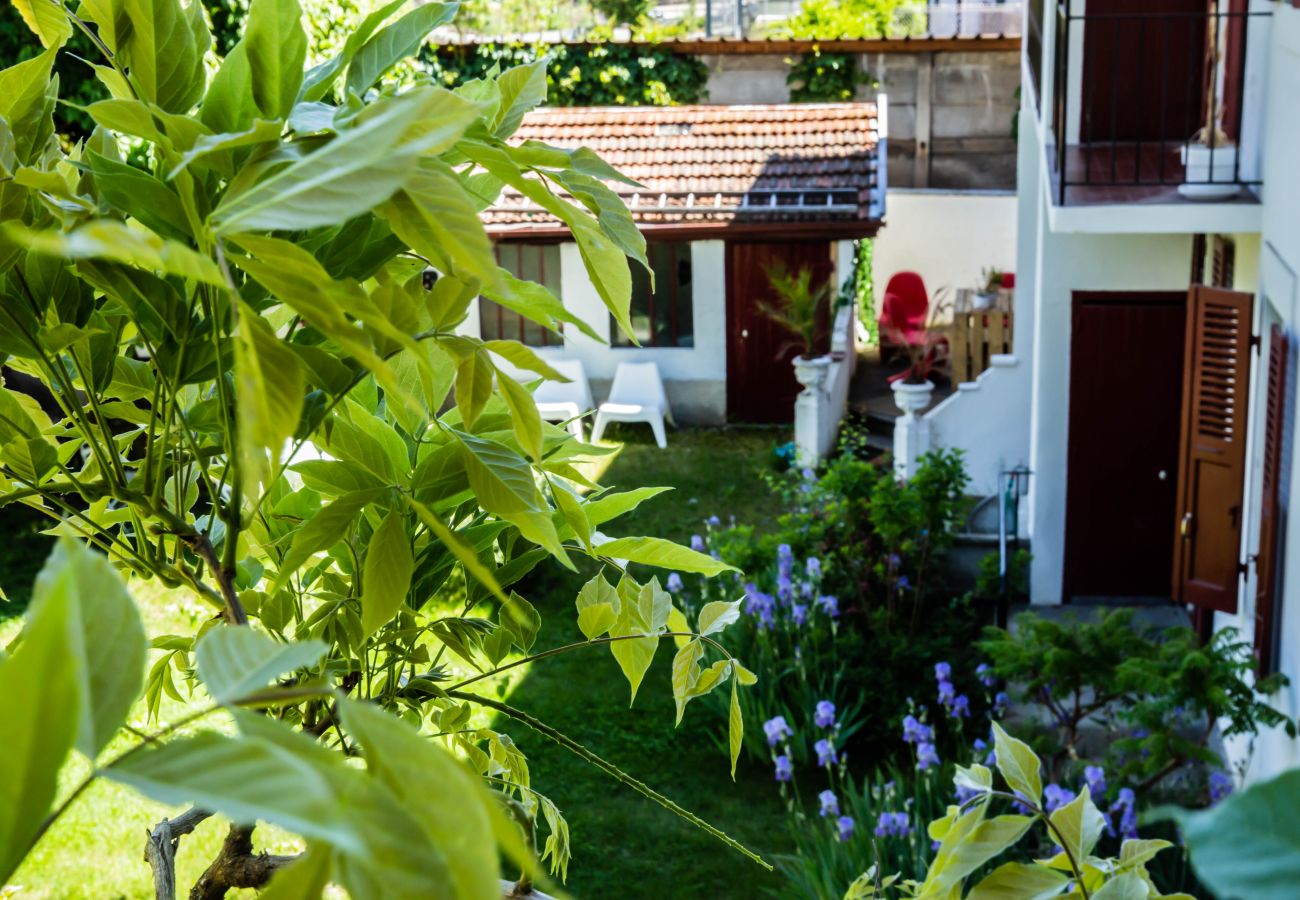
x: 761, y: 386
x: 1143, y: 66
x: 1126, y: 389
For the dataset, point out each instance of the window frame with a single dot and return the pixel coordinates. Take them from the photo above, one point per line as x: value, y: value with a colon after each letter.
x: 622, y: 341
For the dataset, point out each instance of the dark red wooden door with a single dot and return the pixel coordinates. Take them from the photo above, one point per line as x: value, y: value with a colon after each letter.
x: 1268, y: 563
x: 1142, y: 70
x: 1126, y: 366
x: 761, y: 386
x: 1212, y: 451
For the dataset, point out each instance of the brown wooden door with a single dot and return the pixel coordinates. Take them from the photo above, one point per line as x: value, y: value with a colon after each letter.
x: 1212, y: 453
x: 1268, y: 563
x: 1126, y: 364
x: 1142, y: 70
x: 761, y: 386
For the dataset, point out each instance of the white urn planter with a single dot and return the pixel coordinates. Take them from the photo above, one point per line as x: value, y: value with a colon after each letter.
x: 912, y: 398
x: 1210, y: 173
x: 811, y: 372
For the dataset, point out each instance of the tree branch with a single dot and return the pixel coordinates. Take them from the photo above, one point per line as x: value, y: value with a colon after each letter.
x: 237, y: 866
x: 160, y: 849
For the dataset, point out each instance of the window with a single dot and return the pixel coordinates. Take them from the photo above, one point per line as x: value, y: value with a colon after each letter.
x: 662, y: 317
x: 531, y: 262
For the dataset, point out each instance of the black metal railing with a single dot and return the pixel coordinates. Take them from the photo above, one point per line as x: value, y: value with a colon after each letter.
x: 1155, y: 101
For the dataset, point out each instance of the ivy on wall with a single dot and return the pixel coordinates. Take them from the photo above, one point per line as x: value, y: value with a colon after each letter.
x: 600, y: 74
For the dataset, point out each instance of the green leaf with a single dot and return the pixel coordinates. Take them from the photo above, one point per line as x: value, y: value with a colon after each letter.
x: 228, y: 106
x: 1020, y: 881
x: 277, y: 47
x: 1137, y: 852
x: 236, y: 663
x: 321, y: 78
x: 526, y: 420
x: 246, y: 779
x: 352, y: 173
x: 522, y: 357
x: 575, y: 515
x: 163, y: 51
x: 387, y: 576
x: 975, y: 778
x: 473, y: 385
x: 662, y: 553
x: 113, y: 240
x: 468, y: 558
x: 436, y: 218
x: 969, y: 844
x: 320, y: 532
x: 106, y: 647
x: 30, y: 458
x: 521, y: 619
x: 139, y: 194
x: 270, y: 390
x: 39, y: 710
x: 24, y: 107
x: 535, y: 302
x: 522, y: 89
x: 611, y: 506
x: 1080, y: 824
x: 1018, y: 765
x: 634, y: 655
x: 500, y: 478
x: 305, y: 879
x: 453, y: 805
x: 47, y: 20
x: 735, y: 728
x: 1249, y: 844
x: 394, y: 44
x: 686, y: 672
x: 598, y: 607
x: 717, y: 615
x: 1128, y: 886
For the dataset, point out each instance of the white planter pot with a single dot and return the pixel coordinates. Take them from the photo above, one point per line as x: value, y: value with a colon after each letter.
x: 985, y: 300
x: 811, y: 373
x: 1218, y: 167
x: 912, y: 398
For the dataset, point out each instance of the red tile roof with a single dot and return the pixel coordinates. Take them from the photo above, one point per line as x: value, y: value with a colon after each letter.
x: 809, y: 162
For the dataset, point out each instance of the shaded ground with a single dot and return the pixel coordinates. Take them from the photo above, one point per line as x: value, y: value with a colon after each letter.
x: 624, y: 845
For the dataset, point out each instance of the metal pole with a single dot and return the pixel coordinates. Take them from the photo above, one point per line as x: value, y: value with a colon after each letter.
x: 740, y: 18
x: 708, y: 18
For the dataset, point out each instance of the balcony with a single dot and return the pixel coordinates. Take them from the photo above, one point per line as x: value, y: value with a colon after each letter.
x: 1133, y: 86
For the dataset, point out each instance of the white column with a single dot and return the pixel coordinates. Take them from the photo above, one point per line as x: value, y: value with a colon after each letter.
x: 911, y: 442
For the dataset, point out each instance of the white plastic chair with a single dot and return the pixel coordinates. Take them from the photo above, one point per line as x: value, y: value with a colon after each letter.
x: 565, y: 402
x: 637, y: 395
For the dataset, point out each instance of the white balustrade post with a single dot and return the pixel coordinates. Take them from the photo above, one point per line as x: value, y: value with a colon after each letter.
x: 810, y: 407
x: 911, y: 429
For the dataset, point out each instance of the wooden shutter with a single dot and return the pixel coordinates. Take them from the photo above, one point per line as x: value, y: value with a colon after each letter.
x: 1270, y: 520
x: 1212, y: 454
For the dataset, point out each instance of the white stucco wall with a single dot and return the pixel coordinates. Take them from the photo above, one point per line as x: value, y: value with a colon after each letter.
x: 947, y: 237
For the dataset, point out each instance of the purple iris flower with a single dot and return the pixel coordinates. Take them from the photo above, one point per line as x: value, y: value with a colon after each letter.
x: 904, y: 583
x: 845, y: 825
x: 1022, y: 805
x: 777, y: 730
x: 965, y: 794
x: 915, y: 731
x: 960, y: 707
x: 926, y: 756
x: 713, y: 521
x: 799, y: 613
x: 824, y: 716
x: 784, y: 588
x: 784, y: 768
x: 813, y: 567
x: 1220, y: 786
x: 1095, y: 776
x: 1055, y: 796
x: 697, y: 543
x: 947, y: 693
x: 830, y: 804
x: 942, y: 671
x: 826, y: 755
x: 893, y: 824
x: 1126, y: 805
x: 1001, y: 703
x: 674, y: 583
x: 829, y: 605
x: 985, y: 674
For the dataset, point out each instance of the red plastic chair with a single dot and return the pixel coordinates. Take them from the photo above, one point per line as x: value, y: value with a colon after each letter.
x: 903, y: 313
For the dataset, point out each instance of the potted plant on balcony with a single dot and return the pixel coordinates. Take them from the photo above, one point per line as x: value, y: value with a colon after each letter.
x: 987, y: 296
x: 927, y: 356
x: 801, y: 308
x: 1210, y: 157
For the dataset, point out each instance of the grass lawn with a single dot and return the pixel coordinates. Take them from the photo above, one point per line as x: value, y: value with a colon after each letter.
x: 623, y: 844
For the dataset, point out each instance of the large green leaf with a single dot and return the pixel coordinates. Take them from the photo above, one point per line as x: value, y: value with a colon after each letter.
x: 138, y: 193
x: 522, y: 89
x: 277, y: 47
x: 47, y: 20
x: 23, y: 104
x: 473, y: 385
x: 453, y: 805
x: 611, y: 506
x: 106, y: 640
x: 355, y: 171
x: 467, y: 557
x: 1080, y: 825
x: 163, y: 51
x: 1249, y: 845
x: 387, y: 573
x: 394, y: 44
x: 113, y: 240
x: 321, y: 78
x: 40, y: 704
x: 1018, y: 765
x: 305, y: 879
x: 662, y: 553
x: 320, y: 532
x: 971, y: 843
x: 1020, y: 881
x: 270, y: 391
x: 633, y: 654
x: 247, y: 779
x: 228, y: 106
x: 500, y: 478
x: 237, y: 663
